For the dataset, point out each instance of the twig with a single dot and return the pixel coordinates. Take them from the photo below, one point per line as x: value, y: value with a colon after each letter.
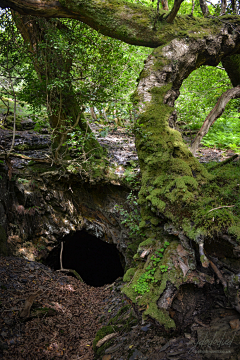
x: 218, y: 273
x: 61, y: 267
x: 200, y: 322
x: 72, y: 271
x: 220, y: 207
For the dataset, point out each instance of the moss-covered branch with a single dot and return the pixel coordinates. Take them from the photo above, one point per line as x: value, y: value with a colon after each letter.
x: 133, y: 23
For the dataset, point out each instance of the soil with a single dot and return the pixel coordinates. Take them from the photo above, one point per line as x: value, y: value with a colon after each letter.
x: 66, y: 314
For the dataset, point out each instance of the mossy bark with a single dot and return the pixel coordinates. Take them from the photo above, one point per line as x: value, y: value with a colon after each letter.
x: 176, y: 189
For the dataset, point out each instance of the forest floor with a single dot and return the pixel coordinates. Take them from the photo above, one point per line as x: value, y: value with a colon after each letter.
x: 47, y: 315
x: 66, y: 313
x: 119, y: 143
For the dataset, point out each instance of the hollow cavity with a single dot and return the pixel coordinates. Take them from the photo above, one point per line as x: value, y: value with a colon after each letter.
x: 97, y: 262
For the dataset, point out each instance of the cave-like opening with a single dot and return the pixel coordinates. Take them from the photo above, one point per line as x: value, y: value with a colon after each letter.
x: 97, y: 262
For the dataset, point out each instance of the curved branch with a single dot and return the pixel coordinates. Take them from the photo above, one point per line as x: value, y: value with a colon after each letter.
x: 132, y: 23
x: 120, y: 19
x: 215, y: 113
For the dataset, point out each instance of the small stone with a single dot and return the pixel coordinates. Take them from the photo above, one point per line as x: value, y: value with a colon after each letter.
x: 146, y: 327
x: 234, y: 324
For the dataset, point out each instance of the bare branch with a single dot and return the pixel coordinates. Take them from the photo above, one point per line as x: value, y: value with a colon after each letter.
x: 164, y: 5
x: 215, y: 113
x: 193, y: 5
x: 204, y: 8
x: 223, y: 6
x: 174, y: 11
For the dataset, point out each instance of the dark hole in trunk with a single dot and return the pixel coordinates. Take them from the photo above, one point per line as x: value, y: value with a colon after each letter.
x: 97, y: 262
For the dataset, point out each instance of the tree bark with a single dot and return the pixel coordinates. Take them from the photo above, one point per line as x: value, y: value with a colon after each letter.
x: 174, y: 183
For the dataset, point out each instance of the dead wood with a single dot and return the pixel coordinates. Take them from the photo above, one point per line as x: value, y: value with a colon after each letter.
x: 25, y: 312
x: 218, y: 273
x: 106, y: 338
x: 68, y: 270
x: 73, y: 272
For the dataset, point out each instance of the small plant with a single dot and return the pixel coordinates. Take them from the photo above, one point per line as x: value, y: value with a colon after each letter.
x: 23, y: 181
x: 144, y: 281
x: 131, y: 218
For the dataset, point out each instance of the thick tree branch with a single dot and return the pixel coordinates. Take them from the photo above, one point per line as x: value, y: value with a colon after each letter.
x: 215, y: 114
x: 132, y: 23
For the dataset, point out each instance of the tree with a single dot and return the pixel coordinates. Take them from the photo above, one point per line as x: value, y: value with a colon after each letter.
x: 186, y: 209
x: 53, y: 65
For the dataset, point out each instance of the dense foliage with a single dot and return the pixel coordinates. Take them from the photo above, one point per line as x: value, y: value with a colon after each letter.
x: 199, y: 93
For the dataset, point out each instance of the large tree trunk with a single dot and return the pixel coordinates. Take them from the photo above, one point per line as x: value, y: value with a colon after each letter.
x: 64, y: 111
x: 177, y: 205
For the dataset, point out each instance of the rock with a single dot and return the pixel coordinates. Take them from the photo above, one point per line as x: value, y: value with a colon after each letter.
x: 137, y: 355
x: 146, y: 327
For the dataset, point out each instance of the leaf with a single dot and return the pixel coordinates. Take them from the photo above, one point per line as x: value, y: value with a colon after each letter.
x: 184, y: 267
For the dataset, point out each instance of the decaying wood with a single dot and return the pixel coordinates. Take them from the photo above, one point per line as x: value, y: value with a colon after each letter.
x: 25, y: 312
x: 2, y: 155
x: 204, y: 260
x: 215, y: 113
x: 222, y: 163
x: 106, y: 338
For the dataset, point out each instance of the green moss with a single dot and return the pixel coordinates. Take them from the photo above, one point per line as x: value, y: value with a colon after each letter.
x: 235, y: 231
x: 147, y: 243
x: 118, y: 318
x: 129, y: 274
x: 162, y: 316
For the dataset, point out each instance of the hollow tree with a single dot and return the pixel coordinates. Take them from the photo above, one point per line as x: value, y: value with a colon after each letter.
x: 193, y: 209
